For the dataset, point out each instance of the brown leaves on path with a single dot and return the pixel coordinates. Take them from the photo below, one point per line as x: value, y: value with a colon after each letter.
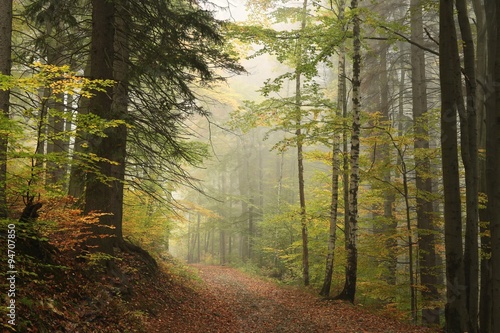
x: 252, y: 305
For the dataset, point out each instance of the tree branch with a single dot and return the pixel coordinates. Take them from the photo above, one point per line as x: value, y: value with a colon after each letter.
x: 410, y: 41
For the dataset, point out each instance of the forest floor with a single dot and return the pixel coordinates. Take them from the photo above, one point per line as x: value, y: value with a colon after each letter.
x: 69, y: 295
x: 235, y: 302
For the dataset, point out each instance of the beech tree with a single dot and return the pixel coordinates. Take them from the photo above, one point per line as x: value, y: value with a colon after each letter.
x: 300, y: 156
x: 481, y: 91
x: 449, y: 71
x: 423, y: 179
x: 342, y: 112
x: 351, y: 229
x: 493, y: 156
x: 469, y: 150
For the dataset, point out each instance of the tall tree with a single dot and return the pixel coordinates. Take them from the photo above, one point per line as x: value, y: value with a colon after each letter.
x: 469, y: 151
x: 493, y: 154
x: 300, y: 140
x: 482, y: 91
x: 449, y: 71
x: 5, y: 69
x: 351, y: 229
x: 119, y: 108
x: 341, y: 106
x: 101, y: 189
x: 425, y: 207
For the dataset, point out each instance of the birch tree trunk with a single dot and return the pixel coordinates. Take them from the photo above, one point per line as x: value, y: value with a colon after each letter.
x: 349, y: 291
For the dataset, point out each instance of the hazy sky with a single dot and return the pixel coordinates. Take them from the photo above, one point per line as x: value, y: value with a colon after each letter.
x: 235, y: 9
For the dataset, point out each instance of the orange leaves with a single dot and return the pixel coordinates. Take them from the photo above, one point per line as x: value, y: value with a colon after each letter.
x: 71, y: 228
x: 260, y: 306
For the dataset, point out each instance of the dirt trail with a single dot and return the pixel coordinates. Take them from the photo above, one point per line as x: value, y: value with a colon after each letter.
x: 253, y: 305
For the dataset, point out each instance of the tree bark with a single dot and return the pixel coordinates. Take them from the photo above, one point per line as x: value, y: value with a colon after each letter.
x: 481, y: 63
x: 423, y: 180
x: 468, y: 125
x: 389, y: 227
x: 55, y: 167
x: 493, y: 154
x: 300, y: 157
x: 77, y: 176
x: 342, y: 104
x: 101, y: 196
x: 449, y: 71
x: 244, y: 184
x: 119, y: 108
x: 349, y: 291
x: 5, y: 69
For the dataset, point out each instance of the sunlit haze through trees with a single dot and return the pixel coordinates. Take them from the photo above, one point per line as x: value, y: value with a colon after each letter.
x: 347, y: 147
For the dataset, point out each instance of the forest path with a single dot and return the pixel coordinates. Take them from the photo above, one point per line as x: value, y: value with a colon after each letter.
x: 254, y: 305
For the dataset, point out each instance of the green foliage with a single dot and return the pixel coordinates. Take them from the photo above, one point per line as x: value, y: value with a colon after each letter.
x: 97, y: 261
x: 148, y: 218
x: 59, y: 79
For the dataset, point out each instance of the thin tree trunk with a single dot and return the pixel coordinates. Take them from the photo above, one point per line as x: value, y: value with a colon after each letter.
x: 243, y: 181
x: 342, y: 104
x: 198, y: 245
x: 189, y: 240
x: 389, y: 226
x: 411, y: 269
x: 300, y: 158
x: 222, y: 231
x: 425, y: 208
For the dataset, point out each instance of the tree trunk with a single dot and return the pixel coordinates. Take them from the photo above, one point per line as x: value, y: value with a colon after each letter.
x: 389, y: 227
x: 54, y: 105
x: 198, y: 245
x: 449, y: 71
x: 423, y: 180
x: 77, y: 176
x: 120, y: 111
x: 300, y: 158
x: 481, y: 52
x: 223, y: 219
x: 303, y: 216
x: 411, y: 269
x: 244, y: 184
x: 342, y: 104
x: 5, y: 69
x: 349, y: 291
x: 493, y: 155
x: 468, y: 126
x: 101, y: 196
